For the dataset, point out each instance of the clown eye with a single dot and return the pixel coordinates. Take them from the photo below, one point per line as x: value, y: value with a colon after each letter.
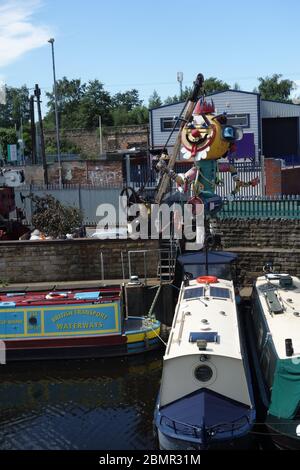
x: 228, y: 133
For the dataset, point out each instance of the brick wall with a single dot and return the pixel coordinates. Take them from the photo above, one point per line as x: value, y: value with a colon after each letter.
x: 273, y: 177
x: 114, y: 138
x: 96, y: 172
x: 71, y: 260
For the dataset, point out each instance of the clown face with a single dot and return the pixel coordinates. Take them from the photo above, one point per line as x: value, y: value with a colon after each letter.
x: 208, y: 137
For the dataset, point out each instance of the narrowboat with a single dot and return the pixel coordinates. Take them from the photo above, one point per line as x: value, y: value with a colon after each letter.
x: 276, y: 352
x: 206, y: 397
x: 72, y: 323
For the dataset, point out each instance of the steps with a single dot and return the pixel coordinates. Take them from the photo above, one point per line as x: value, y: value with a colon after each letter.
x: 167, y: 259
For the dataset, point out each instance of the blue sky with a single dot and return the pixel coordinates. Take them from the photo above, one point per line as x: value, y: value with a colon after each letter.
x: 143, y: 44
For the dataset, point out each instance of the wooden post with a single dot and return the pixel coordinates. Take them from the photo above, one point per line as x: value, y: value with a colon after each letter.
x: 37, y: 93
x: 186, y: 115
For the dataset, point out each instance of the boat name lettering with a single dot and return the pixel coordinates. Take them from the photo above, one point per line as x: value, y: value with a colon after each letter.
x: 75, y: 326
x: 69, y: 313
x: 10, y: 322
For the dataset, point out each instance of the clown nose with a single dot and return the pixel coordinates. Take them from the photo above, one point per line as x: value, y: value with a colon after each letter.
x: 195, y: 133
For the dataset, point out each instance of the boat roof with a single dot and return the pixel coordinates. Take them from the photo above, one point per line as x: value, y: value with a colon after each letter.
x: 207, y: 312
x: 281, y: 310
x: 214, y: 257
x: 59, y: 297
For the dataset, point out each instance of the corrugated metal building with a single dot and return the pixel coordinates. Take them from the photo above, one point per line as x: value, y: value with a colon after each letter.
x: 270, y: 128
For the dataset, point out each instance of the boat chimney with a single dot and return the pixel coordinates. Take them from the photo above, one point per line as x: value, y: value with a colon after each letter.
x: 202, y: 344
x: 289, y: 350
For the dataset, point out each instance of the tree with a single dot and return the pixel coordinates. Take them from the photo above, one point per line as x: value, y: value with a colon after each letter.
x: 127, y: 100
x: 154, y: 100
x: 272, y: 88
x: 94, y: 103
x: 54, y: 218
x: 7, y: 137
x: 213, y: 85
x: 15, y: 108
x: 236, y: 86
x: 69, y: 96
x: 171, y: 99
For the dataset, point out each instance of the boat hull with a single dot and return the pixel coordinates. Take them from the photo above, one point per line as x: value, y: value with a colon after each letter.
x: 72, y: 330
x: 204, y: 420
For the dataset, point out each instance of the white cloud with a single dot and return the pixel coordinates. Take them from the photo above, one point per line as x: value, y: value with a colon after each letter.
x: 19, y: 32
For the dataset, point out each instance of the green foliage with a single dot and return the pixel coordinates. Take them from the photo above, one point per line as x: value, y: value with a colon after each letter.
x: 154, y: 100
x: 7, y: 137
x: 128, y: 100
x: 15, y: 108
x: 54, y: 218
x: 122, y: 117
x: 65, y: 146
x: 171, y: 99
x: 213, y: 85
x: 81, y: 104
x: 272, y: 88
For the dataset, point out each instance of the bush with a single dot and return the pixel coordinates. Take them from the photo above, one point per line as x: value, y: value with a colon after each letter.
x: 54, y: 218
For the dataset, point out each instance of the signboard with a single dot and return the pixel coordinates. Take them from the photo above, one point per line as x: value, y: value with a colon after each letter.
x: 66, y: 320
x: 12, y: 154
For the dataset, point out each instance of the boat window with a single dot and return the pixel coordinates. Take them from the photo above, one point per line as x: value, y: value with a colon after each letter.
x: 203, y: 373
x: 193, y: 293
x: 219, y: 292
x: 209, y: 336
x: 223, y: 271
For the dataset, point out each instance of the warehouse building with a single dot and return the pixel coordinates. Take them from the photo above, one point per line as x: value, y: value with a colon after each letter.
x: 270, y: 128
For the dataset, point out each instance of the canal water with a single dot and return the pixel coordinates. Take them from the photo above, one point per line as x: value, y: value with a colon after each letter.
x: 80, y: 404
x: 100, y: 404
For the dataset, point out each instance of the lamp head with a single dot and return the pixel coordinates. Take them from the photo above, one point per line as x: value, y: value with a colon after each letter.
x: 51, y: 40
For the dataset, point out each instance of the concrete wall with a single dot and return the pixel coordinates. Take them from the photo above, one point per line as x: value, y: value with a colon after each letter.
x: 78, y: 259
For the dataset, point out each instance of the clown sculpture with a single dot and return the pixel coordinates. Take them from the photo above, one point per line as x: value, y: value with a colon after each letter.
x: 205, y: 139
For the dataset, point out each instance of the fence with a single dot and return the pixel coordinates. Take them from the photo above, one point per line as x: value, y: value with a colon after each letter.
x: 285, y: 207
x: 290, y: 161
x: 141, y: 175
x: 85, y: 197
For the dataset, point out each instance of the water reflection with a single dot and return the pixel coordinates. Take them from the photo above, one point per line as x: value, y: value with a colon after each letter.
x: 88, y: 404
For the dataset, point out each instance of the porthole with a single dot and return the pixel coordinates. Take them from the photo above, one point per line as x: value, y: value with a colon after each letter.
x: 203, y: 373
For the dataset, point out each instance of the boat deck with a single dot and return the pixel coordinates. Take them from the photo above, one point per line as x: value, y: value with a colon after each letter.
x: 286, y: 323
x: 206, y: 310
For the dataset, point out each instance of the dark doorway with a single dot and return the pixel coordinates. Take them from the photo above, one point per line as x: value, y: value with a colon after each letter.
x: 280, y: 136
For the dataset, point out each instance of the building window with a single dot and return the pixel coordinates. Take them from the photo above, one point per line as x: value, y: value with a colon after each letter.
x: 167, y: 124
x: 239, y: 120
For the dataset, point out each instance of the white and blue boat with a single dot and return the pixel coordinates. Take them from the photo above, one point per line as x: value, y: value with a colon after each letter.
x: 276, y: 354
x: 206, y: 396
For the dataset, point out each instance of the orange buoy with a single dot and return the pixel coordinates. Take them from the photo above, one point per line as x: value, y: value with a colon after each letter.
x: 207, y: 279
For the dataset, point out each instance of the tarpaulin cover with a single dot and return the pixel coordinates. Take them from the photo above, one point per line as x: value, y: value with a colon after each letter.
x: 205, y: 406
x: 285, y: 396
x: 214, y: 257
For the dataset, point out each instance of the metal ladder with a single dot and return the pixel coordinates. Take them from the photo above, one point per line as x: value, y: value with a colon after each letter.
x: 167, y: 259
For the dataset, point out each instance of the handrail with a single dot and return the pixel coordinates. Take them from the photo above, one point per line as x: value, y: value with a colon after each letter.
x: 210, y: 430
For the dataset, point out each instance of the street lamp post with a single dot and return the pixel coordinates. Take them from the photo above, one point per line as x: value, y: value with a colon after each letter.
x: 51, y: 41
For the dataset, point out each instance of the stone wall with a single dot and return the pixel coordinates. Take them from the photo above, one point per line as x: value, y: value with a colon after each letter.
x: 71, y: 260
x: 114, y: 138
x: 267, y: 233
x: 259, y: 241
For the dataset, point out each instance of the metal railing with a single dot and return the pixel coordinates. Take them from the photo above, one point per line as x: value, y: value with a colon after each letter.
x: 263, y: 207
